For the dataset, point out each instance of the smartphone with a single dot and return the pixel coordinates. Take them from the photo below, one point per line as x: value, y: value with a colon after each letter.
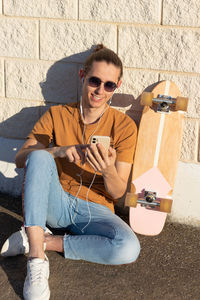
x: 101, y: 139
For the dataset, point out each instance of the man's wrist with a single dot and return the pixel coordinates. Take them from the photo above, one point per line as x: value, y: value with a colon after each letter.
x: 54, y: 151
x: 109, y: 172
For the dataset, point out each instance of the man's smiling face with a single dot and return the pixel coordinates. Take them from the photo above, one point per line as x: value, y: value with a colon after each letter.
x: 96, y: 97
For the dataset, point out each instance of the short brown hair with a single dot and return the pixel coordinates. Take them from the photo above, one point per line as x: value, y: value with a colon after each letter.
x: 101, y: 53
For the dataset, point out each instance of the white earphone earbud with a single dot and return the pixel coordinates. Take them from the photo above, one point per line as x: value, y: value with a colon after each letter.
x: 110, y: 101
x: 81, y: 107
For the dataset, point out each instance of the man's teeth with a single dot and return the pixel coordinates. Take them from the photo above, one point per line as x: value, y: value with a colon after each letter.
x: 98, y: 98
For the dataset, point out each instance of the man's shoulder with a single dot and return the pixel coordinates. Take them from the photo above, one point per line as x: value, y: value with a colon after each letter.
x: 121, y: 116
x: 61, y: 108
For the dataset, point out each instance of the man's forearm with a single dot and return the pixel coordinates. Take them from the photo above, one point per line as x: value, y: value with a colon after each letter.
x: 73, y: 153
x: 22, y: 155
x: 114, y: 185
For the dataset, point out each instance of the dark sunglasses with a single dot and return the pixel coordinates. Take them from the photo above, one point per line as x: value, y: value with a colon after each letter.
x: 109, y: 86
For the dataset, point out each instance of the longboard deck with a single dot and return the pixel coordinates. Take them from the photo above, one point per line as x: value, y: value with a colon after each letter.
x: 142, y: 219
x: 156, y: 159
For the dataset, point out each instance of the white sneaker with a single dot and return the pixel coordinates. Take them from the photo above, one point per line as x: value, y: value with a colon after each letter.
x: 17, y: 243
x: 36, y: 285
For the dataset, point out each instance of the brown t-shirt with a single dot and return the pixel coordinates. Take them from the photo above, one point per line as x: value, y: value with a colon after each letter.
x: 62, y: 125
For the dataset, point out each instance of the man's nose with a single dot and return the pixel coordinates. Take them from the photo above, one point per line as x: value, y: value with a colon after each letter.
x: 100, y: 88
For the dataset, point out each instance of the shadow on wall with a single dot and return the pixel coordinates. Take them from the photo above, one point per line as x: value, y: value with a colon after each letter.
x: 61, y: 85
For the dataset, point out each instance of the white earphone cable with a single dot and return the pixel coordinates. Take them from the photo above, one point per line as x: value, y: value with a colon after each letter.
x: 81, y: 173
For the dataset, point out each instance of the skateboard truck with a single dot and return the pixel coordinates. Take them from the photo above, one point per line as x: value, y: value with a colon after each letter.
x: 149, y: 199
x: 164, y: 103
x: 149, y: 196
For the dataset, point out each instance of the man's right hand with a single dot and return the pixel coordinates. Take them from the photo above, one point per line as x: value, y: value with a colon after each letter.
x: 73, y: 154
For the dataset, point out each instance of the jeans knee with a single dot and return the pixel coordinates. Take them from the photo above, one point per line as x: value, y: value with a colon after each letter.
x: 39, y: 157
x: 132, y: 250
x: 127, y: 250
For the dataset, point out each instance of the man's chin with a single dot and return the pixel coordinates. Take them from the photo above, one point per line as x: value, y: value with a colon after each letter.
x: 97, y: 103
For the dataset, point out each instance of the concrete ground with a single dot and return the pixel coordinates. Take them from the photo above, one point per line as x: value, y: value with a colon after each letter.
x: 168, y: 267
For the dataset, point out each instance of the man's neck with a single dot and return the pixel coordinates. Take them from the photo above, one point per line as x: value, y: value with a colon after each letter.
x: 92, y: 115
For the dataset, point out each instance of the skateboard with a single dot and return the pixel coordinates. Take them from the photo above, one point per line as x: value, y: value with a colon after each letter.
x: 156, y: 158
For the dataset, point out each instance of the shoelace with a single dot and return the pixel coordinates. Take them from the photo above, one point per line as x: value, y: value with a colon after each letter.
x: 37, y: 272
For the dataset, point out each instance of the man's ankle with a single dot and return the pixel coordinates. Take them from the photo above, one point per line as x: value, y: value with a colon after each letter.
x: 54, y: 243
x: 36, y: 254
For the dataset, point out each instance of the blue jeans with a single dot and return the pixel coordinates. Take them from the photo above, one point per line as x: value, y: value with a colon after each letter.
x: 96, y: 234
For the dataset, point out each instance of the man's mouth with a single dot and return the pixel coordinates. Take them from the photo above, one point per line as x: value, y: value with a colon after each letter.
x: 96, y: 98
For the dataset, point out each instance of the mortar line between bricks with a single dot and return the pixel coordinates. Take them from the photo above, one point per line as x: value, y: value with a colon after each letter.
x: 117, y: 40
x: 79, y: 89
x: 4, y: 77
x: 161, y: 12
x: 132, y: 24
x: 23, y: 59
x: 164, y: 71
x: 170, y: 72
x: 26, y: 100
x: 177, y: 73
x: 78, y: 15
x: 42, y: 103
x: 197, y: 142
x: 2, y: 7
x: 189, y: 161
x: 192, y: 119
x: 38, y: 40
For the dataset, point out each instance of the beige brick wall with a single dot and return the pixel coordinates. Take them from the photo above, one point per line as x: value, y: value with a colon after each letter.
x: 34, y: 80
x: 143, y: 11
x: 19, y: 38
x: 44, y: 43
x: 1, y: 78
x: 63, y: 9
x: 183, y: 13
x: 63, y: 39
x: 160, y: 48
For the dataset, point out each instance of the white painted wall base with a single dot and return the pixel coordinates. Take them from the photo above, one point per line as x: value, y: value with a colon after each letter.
x: 186, y: 196
x: 11, y: 178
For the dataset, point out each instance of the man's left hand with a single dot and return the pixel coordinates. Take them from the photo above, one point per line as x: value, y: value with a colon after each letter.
x: 100, y: 159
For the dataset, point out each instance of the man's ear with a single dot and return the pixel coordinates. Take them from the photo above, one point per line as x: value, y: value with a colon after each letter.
x: 81, y: 74
x: 119, y: 83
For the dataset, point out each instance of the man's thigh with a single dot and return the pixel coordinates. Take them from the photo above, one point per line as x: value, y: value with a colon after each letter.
x: 96, y: 219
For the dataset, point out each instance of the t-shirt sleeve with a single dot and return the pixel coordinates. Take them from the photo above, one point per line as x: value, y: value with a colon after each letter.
x: 126, y: 141
x: 43, y: 129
